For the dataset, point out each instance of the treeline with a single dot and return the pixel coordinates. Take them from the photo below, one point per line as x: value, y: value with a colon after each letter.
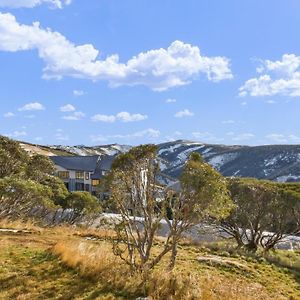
x: 29, y: 189
x: 256, y: 213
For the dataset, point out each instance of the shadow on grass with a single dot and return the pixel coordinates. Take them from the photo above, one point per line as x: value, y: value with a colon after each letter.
x: 41, y: 275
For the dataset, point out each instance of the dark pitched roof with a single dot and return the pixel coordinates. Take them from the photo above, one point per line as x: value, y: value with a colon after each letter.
x: 95, y: 164
x: 81, y: 163
x: 103, y: 165
x: 106, y: 162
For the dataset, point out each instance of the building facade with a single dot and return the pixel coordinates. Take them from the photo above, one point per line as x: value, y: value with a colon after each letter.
x: 82, y: 173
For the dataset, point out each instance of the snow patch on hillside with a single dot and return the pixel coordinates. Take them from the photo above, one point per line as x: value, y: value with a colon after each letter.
x: 219, y: 160
x: 184, y: 155
x: 287, y: 178
x: 207, y: 153
x: 170, y: 149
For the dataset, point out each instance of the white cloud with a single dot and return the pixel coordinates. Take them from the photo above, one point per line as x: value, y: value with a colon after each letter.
x: 75, y: 116
x: 184, y: 113
x: 127, y: 117
x: 32, y: 107
x: 158, y: 69
x: 170, y: 100
x: 175, y: 136
x: 243, y: 137
x: 277, y: 78
x: 67, y: 108
x: 294, y: 138
x: 78, y: 93
x: 121, y: 116
x: 280, y: 138
x: 16, y: 134
x: 206, y: 136
x: 149, y: 133
x: 8, y: 115
x: 33, y: 3
x: 103, y: 118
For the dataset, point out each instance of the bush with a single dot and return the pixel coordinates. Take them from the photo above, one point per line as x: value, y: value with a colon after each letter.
x: 81, y: 204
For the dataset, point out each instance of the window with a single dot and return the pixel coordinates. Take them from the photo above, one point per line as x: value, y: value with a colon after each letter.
x: 95, y: 182
x: 87, y: 175
x: 63, y: 174
x: 79, y: 175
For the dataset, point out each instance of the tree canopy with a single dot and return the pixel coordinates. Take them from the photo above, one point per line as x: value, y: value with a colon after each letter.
x: 143, y: 203
x: 265, y: 212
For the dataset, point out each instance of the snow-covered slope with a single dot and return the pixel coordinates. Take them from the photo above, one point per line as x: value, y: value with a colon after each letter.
x: 95, y: 150
x: 274, y: 162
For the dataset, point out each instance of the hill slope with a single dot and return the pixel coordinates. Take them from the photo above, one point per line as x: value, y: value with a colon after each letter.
x: 274, y: 162
x: 77, y: 263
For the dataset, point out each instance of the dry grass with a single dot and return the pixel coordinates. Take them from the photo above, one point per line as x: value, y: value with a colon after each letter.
x: 19, y: 225
x: 63, y: 263
x: 99, y: 263
x: 96, y: 262
x: 91, y: 260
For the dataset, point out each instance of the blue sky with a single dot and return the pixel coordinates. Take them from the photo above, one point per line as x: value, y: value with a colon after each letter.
x: 136, y: 71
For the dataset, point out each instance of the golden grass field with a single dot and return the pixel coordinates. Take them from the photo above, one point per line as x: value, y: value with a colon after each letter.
x: 62, y: 263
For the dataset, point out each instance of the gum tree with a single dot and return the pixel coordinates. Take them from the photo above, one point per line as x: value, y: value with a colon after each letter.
x: 143, y: 204
x: 265, y: 213
x: 203, y: 196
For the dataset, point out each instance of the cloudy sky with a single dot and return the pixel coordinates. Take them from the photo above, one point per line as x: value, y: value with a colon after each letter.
x: 136, y: 71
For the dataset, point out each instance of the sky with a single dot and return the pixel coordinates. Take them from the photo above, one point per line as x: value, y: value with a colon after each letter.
x: 139, y: 71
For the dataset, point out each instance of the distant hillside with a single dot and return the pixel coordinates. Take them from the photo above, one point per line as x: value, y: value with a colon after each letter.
x: 274, y: 162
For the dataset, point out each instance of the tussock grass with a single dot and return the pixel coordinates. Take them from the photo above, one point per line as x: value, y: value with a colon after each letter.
x: 188, y: 281
x: 64, y: 263
x: 19, y: 225
x: 99, y: 264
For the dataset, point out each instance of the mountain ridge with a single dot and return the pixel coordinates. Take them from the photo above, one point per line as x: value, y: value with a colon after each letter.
x: 273, y: 162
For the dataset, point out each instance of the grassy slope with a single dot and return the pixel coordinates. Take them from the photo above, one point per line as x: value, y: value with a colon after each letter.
x: 30, y: 270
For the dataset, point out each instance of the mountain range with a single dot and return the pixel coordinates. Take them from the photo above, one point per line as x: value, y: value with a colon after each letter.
x: 273, y: 162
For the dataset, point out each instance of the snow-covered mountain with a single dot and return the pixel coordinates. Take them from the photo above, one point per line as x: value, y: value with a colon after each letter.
x: 111, y: 150
x: 274, y: 162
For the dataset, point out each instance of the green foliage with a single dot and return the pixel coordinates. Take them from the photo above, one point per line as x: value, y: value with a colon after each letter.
x: 39, y: 167
x: 27, y: 183
x: 58, y: 188
x: 204, y: 191
x: 262, y: 206
x: 81, y: 205
x: 83, y: 202
x: 134, y: 190
x: 195, y: 156
x: 20, y: 197
x: 136, y: 193
x: 13, y: 158
x: 127, y: 160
